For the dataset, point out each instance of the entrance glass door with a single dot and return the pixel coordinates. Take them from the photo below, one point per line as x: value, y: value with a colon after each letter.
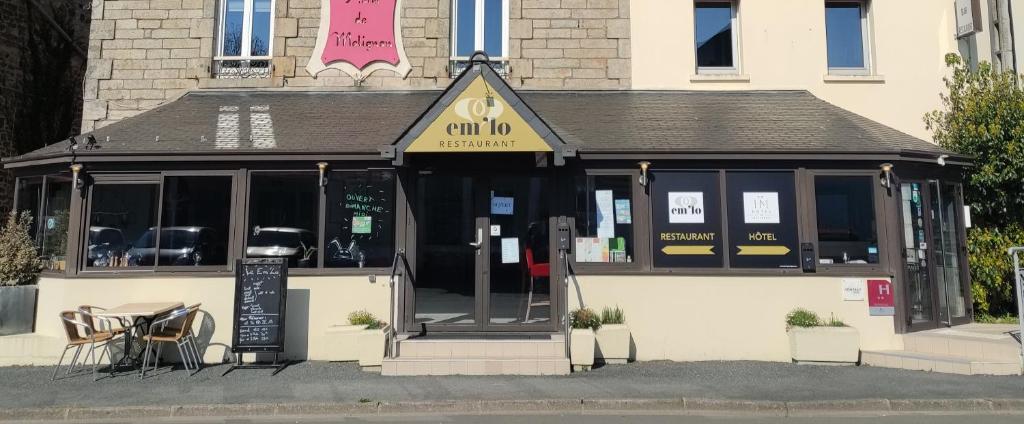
x: 932, y: 255
x: 482, y: 257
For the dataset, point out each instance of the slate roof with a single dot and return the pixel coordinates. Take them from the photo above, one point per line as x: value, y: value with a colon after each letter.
x: 203, y: 122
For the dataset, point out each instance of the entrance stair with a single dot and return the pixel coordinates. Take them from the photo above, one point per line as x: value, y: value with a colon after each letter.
x: 972, y: 349
x: 464, y: 355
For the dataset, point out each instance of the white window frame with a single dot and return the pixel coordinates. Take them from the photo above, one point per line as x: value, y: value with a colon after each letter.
x: 246, y: 31
x: 865, y: 32
x: 478, y: 27
x: 735, y: 32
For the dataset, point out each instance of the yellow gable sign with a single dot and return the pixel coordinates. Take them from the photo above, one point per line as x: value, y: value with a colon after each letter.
x: 479, y: 121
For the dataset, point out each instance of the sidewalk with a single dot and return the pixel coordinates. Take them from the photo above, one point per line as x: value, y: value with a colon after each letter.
x: 318, y: 387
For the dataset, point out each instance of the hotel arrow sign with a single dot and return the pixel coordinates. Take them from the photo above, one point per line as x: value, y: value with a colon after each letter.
x: 688, y: 250
x: 763, y: 250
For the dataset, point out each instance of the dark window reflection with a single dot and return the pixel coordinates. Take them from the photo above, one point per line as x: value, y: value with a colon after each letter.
x: 283, y: 218
x: 120, y: 215
x: 30, y: 191
x: 844, y: 34
x: 604, y: 219
x: 846, y: 219
x: 360, y: 219
x: 195, y: 221
x: 713, y: 22
x: 55, y: 223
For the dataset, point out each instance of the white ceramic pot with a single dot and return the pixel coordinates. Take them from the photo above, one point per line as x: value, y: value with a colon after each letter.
x: 582, y: 343
x: 613, y: 343
x: 824, y: 344
x: 342, y: 342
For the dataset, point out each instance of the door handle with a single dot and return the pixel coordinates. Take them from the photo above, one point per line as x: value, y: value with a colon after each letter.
x: 479, y: 239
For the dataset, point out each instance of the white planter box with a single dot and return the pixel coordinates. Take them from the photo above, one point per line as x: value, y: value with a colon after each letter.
x: 581, y: 348
x: 342, y: 342
x: 824, y: 344
x: 613, y: 343
x: 372, y: 345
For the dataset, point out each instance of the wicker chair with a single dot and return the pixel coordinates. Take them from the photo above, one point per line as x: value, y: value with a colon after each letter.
x: 78, y: 328
x: 175, y: 327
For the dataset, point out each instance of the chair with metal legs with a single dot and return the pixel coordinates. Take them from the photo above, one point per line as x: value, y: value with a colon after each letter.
x: 79, y: 332
x: 175, y: 327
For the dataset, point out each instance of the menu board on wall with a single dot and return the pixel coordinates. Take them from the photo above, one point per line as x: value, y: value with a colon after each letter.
x: 762, y: 220
x: 687, y: 219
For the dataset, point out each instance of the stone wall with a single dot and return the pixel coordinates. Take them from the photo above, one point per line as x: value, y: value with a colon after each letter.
x: 145, y: 52
x: 41, y: 75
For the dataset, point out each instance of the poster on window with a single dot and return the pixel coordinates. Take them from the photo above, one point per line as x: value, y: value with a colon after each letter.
x: 605, y: 214
x: 687, y: 219
x: 762, y: 220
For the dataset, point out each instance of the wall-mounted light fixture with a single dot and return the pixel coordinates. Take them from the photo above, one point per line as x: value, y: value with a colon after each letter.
x: 886, y: 178
x: 643, y: 172
x: 76, y: 178
x: 322, y: 166
x: 941, y: 160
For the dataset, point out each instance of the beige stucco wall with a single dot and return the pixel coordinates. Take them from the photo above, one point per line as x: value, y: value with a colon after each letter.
x: 671, y: 317
x: 782, y: 46
x: 314, y: 303
x: 725, y: 318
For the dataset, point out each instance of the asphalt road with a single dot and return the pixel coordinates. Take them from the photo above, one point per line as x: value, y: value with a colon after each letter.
x: 22, y: 387
x: 593, y: 419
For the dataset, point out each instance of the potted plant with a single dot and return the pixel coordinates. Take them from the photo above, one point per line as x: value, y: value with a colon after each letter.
x: 812, y: 340
x: 19, y: 268
x: 581, y: 340
x: 364, y: 339
x: 613, y: 337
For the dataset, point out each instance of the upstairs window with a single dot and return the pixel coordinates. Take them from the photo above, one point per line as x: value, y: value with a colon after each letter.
x: 479, y: 25
x: 715, y: 35
x: 846, y: 33
x: 244, y: 39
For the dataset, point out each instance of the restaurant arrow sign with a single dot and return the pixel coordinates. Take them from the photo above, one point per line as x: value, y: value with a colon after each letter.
x: 688, y: 250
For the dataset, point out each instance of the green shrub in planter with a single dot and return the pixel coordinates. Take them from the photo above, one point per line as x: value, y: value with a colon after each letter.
x: 585, y: 318
x: 19, y: 260
x: 801, y: 317
x: 363, y: 317
x: 611, y: 316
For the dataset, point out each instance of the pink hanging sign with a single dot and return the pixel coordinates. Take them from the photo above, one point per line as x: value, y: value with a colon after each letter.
x: 359, y: 37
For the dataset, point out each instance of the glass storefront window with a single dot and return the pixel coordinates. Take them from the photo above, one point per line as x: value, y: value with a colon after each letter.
x: 195, y: 221
x: 30, y: 192
x: 283, y: 218
x: 121, y: 221
x: 360, y: 229
x: 847, y: 231
x: 604, y: 219
x: 54, y: 223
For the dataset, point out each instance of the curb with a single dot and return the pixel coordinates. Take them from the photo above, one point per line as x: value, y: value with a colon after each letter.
x: 686, y: 406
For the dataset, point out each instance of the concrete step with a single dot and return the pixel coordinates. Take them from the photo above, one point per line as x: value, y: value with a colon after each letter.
x: 474, y: 366
x: 552, y: 347
x: 949, y: 364
x: 963, y: 344
x: 30, y: 349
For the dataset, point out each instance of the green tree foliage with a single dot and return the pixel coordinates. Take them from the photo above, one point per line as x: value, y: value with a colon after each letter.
x: 991, y: 268
x: 983, y: 117
x: 19, y: 261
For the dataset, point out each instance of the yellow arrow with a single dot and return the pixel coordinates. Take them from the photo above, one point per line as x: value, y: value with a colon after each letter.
x: 688, y: 250
x: 763, y: 250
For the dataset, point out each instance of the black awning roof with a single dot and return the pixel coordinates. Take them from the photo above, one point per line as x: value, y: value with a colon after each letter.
x: 637, y: 122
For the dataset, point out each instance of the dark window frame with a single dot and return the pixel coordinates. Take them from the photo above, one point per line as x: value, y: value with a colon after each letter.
x: 37, y: 238
x: 811, y: 219
x: 640, y: 227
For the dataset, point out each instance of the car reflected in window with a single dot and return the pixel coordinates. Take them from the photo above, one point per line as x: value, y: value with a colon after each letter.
x: 295, y: 244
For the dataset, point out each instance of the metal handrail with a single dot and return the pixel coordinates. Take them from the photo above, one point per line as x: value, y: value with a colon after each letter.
x: 1018, y: 274
x: 393, y: 332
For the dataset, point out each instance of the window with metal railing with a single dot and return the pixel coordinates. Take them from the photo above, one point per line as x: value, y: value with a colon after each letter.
x: 245, y: 34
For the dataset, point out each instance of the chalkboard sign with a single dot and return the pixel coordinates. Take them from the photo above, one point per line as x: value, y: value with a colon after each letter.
x: 261, y: 288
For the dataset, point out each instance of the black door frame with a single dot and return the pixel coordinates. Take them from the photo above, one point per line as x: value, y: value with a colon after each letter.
x: 940, y: 317
x: 481, y: 185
